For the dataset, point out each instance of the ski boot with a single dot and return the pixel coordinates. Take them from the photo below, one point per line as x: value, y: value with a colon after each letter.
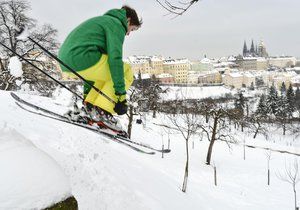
x: 77, y: 114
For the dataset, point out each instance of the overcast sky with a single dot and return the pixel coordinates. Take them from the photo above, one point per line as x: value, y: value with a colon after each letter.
x: 212, y: 27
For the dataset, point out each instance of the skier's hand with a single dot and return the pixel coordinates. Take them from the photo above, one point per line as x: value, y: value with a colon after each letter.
x: 121, y: 106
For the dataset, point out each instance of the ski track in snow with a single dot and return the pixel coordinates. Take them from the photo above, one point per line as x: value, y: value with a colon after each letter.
x: 107, y: 175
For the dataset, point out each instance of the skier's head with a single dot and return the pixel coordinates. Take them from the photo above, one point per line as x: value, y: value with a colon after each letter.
x: 134, y: 23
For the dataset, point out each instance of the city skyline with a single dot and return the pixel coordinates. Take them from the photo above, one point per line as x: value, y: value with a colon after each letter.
x: 211, y: 27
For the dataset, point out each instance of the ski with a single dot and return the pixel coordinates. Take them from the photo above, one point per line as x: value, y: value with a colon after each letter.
x: 107, y: 132
x: 98, y: 131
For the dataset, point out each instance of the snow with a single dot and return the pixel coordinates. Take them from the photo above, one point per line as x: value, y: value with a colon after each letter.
x: 15, y: 66
x: 164, y: 75
x: 194, y: 92
x: 107, y: 175
x: 205, y: 60
x: 29, y: 178
x: 24, y: 35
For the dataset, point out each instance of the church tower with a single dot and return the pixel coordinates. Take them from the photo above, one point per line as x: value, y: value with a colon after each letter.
x: 262, y: 51
x: 245, y: 50
x: 252, y: 50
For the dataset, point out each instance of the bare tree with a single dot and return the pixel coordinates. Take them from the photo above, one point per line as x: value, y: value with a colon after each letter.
x: 217, y: 129
x: 256, y: 126
x: 177, y: 8
x: 13, y: 18
x: 133, y: 109
x: 187, y: 125
x: 292, y: 176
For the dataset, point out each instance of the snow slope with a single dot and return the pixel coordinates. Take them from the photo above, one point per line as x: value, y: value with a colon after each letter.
x: 24, y: 183
x: 107, y: 175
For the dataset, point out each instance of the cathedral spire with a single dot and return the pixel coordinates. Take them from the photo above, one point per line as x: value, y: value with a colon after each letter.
x: 245, y: 50
x: 252, y: 50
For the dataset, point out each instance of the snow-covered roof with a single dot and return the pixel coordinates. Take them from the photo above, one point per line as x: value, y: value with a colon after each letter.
x: 205, y: 60
x: 164, y: 75
x: 176, y: 61
x: 231, y: 59
x: 223, y: 64
x: 235, y: 74
x: 156, y: 58
x: 143, y: 76
x: 248, y: 74
x: 283, y: 58
x: 249, y: 58
x: 261, y: 59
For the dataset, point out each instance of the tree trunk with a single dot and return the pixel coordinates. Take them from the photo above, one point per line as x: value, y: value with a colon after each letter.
x: 295, y: 196
x: 130, y: 120
x: 186, y: 171
x: 256, y: 131
x: 1, y: 65
x: 215, y: 175
x: 268, y: 176
x: 212, y: 141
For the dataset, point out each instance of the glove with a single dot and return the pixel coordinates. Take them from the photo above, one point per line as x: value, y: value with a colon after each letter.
x: 121, y: 106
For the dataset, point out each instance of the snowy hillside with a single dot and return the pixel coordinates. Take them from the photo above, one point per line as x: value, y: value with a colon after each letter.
x: 106, y: 175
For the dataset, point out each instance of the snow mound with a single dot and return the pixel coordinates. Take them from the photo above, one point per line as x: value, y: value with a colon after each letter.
x: 15, y: 67
x: 29, y: 178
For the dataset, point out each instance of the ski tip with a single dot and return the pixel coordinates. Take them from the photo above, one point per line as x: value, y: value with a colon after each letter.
x: 13, y: 94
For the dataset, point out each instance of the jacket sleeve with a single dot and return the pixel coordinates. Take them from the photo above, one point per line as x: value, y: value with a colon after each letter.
x: 114, y: 40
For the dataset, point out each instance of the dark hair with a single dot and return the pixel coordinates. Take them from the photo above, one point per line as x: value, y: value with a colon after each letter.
x: 131, y: 13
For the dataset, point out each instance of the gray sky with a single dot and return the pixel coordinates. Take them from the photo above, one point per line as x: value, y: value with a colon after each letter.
x: 212, y: 27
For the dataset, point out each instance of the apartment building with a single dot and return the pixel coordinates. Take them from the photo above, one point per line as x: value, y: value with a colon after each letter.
x: 165, y: 78
x: 238, y: 79
x: 178, y: 68
x: 210, y: 77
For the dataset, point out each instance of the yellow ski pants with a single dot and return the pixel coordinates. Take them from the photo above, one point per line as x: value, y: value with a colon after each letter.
x: 100, y: 75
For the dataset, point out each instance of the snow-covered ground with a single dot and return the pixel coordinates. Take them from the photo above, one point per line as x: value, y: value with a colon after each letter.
x: 29, y: 178
x: 107, y: 175
x: 196, y: 92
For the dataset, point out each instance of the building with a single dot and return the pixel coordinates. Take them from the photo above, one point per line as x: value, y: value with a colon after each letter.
x: 195, y: 66
x: 239, y: 79
x: 246, y: 63
x: 262, y: 63
x: 178, y: 68
x: 165, y: 78
x: 248, y: 79
x: 193, y: 77
x: 139, y: 64
x: 262, y: 51
x: 210, y: 77
x: 206, y: 65
x: 44, y: 62
x: 156, y: 63
x: 283, y: 61
x: 255, y: 51
x: 278, y: 77
x: 233, y: 79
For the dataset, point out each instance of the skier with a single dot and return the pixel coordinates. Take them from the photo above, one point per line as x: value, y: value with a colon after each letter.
x: 94, y: 50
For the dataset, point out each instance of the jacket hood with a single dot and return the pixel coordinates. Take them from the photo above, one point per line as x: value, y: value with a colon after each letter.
x: 120, y: 14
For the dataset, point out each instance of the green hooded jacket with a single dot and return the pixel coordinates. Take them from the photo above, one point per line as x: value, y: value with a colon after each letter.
x: 99, y: 35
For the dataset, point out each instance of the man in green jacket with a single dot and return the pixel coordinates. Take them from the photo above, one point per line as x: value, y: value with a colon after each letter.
x: 94, y: 50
